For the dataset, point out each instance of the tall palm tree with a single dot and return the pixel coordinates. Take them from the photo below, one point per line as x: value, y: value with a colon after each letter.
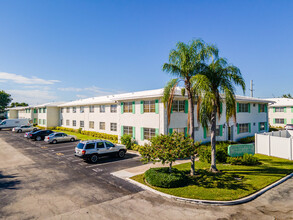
x: 184, y: 62
x: 217, y: 77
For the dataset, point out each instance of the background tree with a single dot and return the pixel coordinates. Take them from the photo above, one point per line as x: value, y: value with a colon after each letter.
x: 217, y: 77
x: 168, y: 148
x: 184, y: 62
x: 5, y: 99
x: 287, y: 96
x: 17, y: 104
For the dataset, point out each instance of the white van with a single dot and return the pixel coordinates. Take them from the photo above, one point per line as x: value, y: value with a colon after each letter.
x: 12, y: 123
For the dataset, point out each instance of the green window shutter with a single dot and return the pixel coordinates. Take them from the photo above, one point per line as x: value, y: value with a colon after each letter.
x: 122, y: 130
x: 285, y: 121
x: 274, y: 108
x: 172, y: 108
x: 274, y: 121
x: 157, y: 106
x: 157, y: 131
x: 122, y: 107
x: 221, y: 107
x: 292, y: 121
x: 204, y: 132
x: 170, y: 130
x: 133, y: 132
x: 248, y: 107
x: 221, y: 130
x: 141, y: 134
x: 249, y: 127
x: 292, y: 109
x: 266, y: 108
x: 285, y: 109
x: 133, y: 107
x: 266, y: 126
x: 259, y: 108
x: 141, y: 107
x: 238, y: 129
x: 237, y: 107
x: 185, y: 131
x: 186, y: 106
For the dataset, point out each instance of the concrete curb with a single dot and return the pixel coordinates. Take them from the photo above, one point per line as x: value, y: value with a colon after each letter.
x: 211, y: 202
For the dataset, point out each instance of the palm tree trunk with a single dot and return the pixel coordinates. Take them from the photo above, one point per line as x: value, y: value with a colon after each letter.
x: 213, y: 140
x: 191, y: 123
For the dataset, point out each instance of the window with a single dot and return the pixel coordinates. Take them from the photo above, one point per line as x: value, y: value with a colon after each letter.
x: 178, y: 106
x: 243, y: 128
x: 61, y: 121
x: 149, y: 106
x: 243, y: 107
x: 92, y: 108
x: 81, y: 124
x: 44, y: 110
x: 262, y: 107
x: 102, y: 108
x: 178, y: 130
x: 74, y: 109
x: 100, y: 145
x: 196, y: 128
x: 40, y: 121
x: 91, y: 124
x: 67, y: 122
x: 113, y: 108
x: 81, y: 109
x: 109, y: 144
x: 40, y: 110
x: 217, y: 131
x: 44, y: 121
x: 279, y: 120
x: 90, y: 146
x: 113, y: 126
x: 127, y: 107
x: 279, y: 109
x: 102, y: 126
x: 149, y: 133
x: 62, y: 109
x: 67, y: 110
x: 127, y: 130
x: 74, y: 123
x: 262, y: 126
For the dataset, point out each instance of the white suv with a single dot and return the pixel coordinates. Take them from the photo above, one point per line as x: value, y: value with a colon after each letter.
x: 91, y: 150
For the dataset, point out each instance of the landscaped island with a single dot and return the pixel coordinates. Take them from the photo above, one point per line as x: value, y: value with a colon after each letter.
x: 233, y: 182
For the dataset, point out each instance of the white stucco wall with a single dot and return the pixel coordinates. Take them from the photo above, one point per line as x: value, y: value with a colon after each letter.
x: 288, y: 116
x: 12, y: 114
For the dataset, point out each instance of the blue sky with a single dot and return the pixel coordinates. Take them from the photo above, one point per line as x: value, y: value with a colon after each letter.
x: 61, y: 50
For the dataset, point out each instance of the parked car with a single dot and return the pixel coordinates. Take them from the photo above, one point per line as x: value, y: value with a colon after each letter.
x: 289, y: 127
x: 93, y: 149
x: 26, y: 134
x: 12, y: 123
x: 54, y: 138
x: 24, y: 128
x: 40, y: 135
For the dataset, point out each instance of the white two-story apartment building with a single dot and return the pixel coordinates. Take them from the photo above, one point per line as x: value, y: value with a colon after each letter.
x: 280, y: 112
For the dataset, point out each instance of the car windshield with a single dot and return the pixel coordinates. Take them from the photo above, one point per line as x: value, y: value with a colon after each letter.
x: 52, y: 134
x: 80, y: 146
x: 3, y: 123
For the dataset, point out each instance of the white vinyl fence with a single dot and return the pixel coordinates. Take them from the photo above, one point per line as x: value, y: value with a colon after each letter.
x: 276, y: 143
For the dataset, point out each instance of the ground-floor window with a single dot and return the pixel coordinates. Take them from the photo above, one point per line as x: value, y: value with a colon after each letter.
x: 149, y: 133
x: 44, y: 121
x: 91, y: 124
x: 127, y: 130
x: 102, y: 126
x: 40, y: 121
x: 81, y: 124
x: 61, y: 121
x: 243, y: 128
x: 74, y: 123
x: 262, y: 126
x: 178, y: 130
x: 279, y: 120
x: 113, y: 126
x: 67, y: 122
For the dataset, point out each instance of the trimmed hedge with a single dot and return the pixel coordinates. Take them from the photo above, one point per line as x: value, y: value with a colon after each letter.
x: 204, y: 152
x: 45, y: 128
x: 161, y: 177
x: 247, y: 160
x: 247, y: 140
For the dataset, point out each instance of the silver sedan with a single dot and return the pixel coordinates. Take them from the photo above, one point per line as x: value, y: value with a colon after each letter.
x: 59, y: 137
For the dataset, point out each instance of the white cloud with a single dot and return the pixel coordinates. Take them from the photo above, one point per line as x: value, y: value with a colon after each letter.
x: 19, y: 79
x: 32, y: 97
x: 70, y: 89
x: 92, y: 89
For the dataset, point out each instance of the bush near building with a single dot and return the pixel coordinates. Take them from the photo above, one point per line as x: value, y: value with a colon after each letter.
x: 247, y: 140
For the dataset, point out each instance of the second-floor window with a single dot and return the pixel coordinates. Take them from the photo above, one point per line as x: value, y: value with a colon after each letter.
x: 102, y: 108
x: 62, y: 109
x: 127, y: 107
x: 92, y: 108
x: 178, y: 106
x: 113, y: 108
x: 149, y: 106
x: 81, y: 110
x: 243, y: 107
x: 279, y: 109
x: 74, y: 109
x: 67, y: 110
x: 262, y: 107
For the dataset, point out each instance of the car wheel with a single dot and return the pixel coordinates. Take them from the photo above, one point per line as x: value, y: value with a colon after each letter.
x: 72, y: 139
x: 19, y: 131
x: 94, y: 158
x: 34, y: 129
x: 54, y: 142
x: 121, y: 153
x: 38, y: 138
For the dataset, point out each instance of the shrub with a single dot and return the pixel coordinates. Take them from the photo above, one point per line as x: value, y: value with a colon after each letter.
x: 247, y: 160
x: 127, y: 140
x: 247, y: 140
x: 273, y: 129
x: 135, y: 147
x: 204, y: 152
x: 161, y: 177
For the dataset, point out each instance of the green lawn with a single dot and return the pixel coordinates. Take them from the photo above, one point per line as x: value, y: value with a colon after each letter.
x: 232, y: 183
x: 79, y: 136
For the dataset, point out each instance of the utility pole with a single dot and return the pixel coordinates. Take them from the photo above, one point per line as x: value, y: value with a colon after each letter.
x: 251, y: 88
